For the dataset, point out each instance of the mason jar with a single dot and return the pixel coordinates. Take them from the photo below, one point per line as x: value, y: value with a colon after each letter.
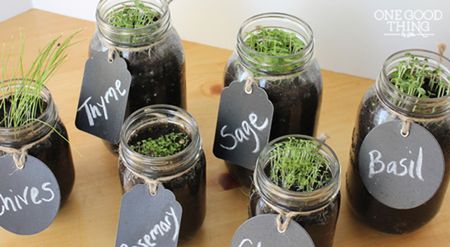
x: 153, y: 53
x: 382, y: 104
x: 190, y: 163
x: 294, y: 85
x: 52, y: 147
x: 318, y: 210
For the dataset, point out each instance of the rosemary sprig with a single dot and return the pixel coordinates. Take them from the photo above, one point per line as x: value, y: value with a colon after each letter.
x: 296, y: 164
x: 162, y: 146
x: 417, y: 78
x: 136, y: 15
x: 21, y: 88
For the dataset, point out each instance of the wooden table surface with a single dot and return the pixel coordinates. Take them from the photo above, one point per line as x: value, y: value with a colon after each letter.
x: 90, y: 216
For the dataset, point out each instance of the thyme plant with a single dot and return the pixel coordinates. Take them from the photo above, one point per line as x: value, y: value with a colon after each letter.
x: 296, y: 164
x: 136, y: 15
x: 162, y: 146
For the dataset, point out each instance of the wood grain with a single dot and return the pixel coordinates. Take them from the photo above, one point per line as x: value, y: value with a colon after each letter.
x: 90, y: 216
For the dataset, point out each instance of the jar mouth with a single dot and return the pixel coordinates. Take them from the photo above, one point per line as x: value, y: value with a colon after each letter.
x: 308, y: 40
x: 390, y: 95
x: 273, y: 192
x: 142, y: 35
x: 45, y: 95
x: 141, y: 163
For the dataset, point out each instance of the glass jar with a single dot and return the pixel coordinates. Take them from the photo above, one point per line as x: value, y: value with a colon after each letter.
x: 319, y: 208
x: 154, y: 55
x: 383, y: 103
x: 189, y: 187
x: 294, y: 86
x: 52, y: 150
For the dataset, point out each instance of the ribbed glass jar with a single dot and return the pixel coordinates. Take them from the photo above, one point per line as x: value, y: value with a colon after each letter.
x: 294, y: 86
x: 383, y: 103
x: 190, y: 186
x: 154, y: 55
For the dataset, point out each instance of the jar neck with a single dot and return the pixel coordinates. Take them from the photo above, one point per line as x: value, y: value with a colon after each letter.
x: 155, y: 167
x: 293, y: 200
x: 34, y: 130
x: 260, y: 63
x: 420, y: 109
x: 132, y: 37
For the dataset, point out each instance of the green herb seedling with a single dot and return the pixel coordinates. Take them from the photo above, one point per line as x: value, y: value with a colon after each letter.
x: 417, y: 78
x: 275, y: 47
x: 21, y: 100
x: 162, y: 146
x: 137, y: 15
x: 296, y: 164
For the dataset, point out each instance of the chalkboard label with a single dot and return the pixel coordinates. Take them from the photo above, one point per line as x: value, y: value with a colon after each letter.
x: 29, y: 197
x: 401, y: 172
x: 103, y: 97
x: 261, y: 231
x: 243, y: 124
x: 147, y: 220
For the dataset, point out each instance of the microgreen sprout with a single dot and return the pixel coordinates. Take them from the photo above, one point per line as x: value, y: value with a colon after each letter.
x: 136, y: 15
x: 417, y: 78
x: 277, y: 50
x: 162, y: 146
x: 21, y: 100
x: 296, y: 164
x: 274, y: 42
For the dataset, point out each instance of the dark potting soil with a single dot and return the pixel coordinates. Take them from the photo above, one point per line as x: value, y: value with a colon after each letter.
x: 296, y: 103
x: 321, y: 225
x: 363, y: 204
x: 158, y: 77
x: 189, y: 188
x: 55, y: 152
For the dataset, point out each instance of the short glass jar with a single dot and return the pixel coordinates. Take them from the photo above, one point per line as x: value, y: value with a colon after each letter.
x: 52, y: 149
x: 190, y: 163
x: 383, y: 103
x: 154, y: 55
x: 319, y: 209
x: 294, y: 86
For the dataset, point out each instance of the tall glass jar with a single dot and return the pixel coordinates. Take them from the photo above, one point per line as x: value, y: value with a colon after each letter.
x: 51, y: 149
x: 294, y: 86
x: 154, y: 55
x: 319, y: 209
x: 190, y: 163
x: 383, y: 103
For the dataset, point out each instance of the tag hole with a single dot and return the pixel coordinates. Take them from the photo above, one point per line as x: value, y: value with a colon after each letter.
x: 404, y: 133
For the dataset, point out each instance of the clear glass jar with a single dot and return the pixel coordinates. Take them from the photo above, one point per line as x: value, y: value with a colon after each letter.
x: 324, y: 203
x: 383, y: 103
x: 154, y: 55
x: 53, y: 150
x: 189, y: 187
x: 294, y: 86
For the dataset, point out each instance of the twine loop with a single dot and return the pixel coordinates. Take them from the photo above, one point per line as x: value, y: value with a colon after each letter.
x: 20, y: 154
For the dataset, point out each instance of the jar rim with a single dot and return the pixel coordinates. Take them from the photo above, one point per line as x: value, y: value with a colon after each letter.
x: 164, y: 13
x: 332, y: 186
x: 309, y: 40
x: 45, y: 95
x: 135, y: 116
x: 403, y: 53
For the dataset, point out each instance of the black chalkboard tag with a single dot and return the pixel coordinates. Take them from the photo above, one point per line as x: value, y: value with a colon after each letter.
x: 104, y: 95
x: 243, y: 124
x: 262, y: 230
x: 147, y: 220
x: 401, y: 172
x: 30, y: 196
